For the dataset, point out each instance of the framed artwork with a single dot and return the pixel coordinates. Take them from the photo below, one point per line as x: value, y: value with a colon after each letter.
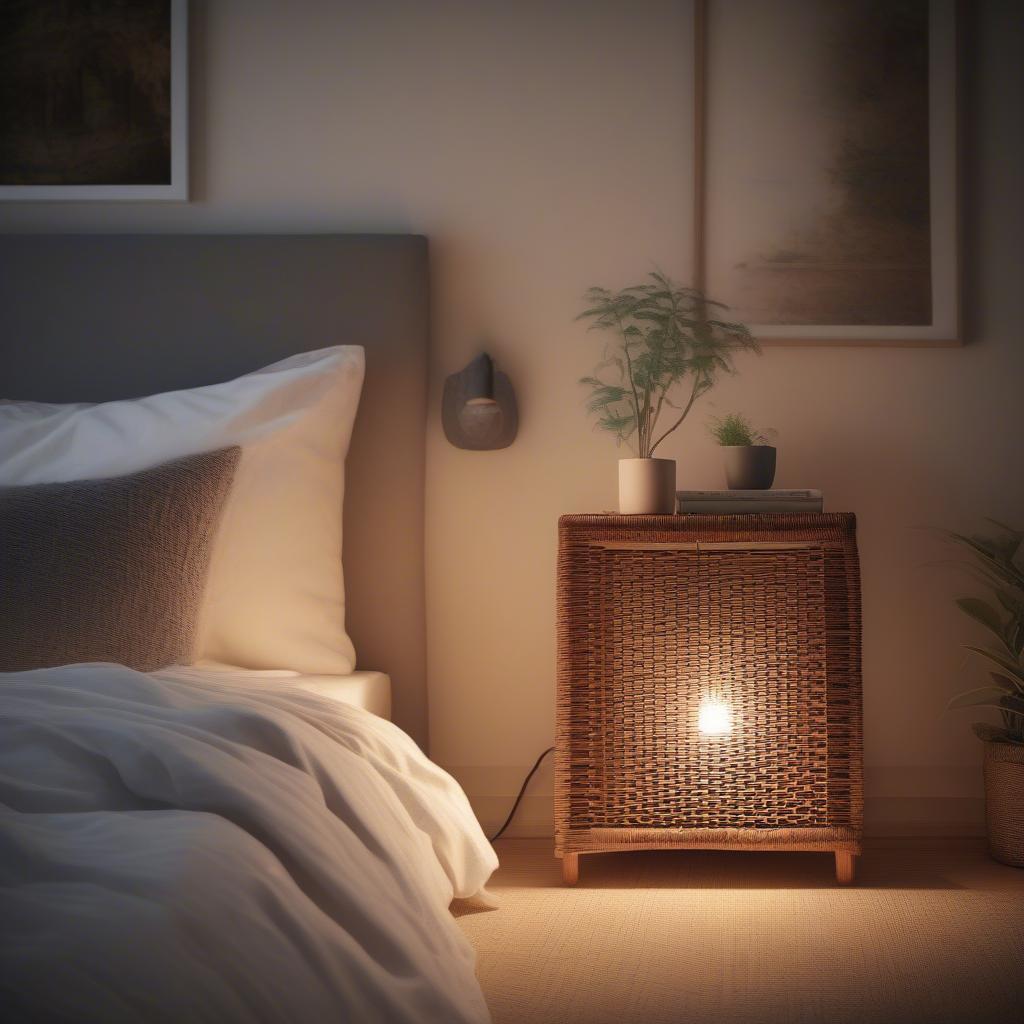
x: 826, y: 205
x: 94, y: 99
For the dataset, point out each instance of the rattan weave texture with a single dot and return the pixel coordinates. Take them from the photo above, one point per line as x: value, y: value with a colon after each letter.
x: 657, y: 614
x: 1004, y: 801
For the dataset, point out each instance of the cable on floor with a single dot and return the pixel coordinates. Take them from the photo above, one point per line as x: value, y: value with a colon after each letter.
x: 522, y: 791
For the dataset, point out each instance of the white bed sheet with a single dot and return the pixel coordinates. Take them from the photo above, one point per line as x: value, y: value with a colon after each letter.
x: 368, y: 690
x: 178, y: 847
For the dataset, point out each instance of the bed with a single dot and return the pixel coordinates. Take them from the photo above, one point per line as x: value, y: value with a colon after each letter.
x: 241, y: 834
x: 75, y: 308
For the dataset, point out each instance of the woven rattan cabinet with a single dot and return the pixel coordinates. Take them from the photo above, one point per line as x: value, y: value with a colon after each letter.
x: 660, y: 617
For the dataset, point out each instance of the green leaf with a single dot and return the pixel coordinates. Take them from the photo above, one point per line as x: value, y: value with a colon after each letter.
x: 982, y: 696
x: 661, y: 337
x: 618, y: 424
x: 1017, y: 535
x: 735, y: 430
x: 994, y: 559
x: 1003, y: 682
x: 983, y: 612
x: 987, y: 732
x: 1013, y: 605
x: 1011, y: 668
x: 604, y: 397
x: 1013, y: 705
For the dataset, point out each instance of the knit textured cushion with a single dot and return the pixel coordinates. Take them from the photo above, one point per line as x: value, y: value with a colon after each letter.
x: 112, y: 569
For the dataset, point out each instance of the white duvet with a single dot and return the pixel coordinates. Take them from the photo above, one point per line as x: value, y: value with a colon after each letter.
x: 178, y: 849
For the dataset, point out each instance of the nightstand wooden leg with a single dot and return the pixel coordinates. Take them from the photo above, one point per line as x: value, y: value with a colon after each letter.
x: 844, y: 867
x: 570, y: 868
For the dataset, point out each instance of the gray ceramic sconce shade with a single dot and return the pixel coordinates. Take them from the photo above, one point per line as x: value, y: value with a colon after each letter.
x: 478, y: 409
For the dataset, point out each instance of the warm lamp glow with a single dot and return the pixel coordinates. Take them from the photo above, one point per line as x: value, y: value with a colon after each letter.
x: 714, y: 718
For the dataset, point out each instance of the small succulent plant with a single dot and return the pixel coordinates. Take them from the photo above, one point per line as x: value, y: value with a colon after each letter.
x: 734, y: 430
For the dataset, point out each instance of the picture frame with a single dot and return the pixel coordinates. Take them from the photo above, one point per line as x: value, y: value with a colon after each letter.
x: 155, y: 167
x: 826, y: 196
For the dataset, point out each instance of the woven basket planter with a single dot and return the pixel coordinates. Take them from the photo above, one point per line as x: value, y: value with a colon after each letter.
x: 1004, y: 801
x: 657, y: 616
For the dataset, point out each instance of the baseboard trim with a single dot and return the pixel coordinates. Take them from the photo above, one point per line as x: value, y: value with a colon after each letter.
x: 913, y: 803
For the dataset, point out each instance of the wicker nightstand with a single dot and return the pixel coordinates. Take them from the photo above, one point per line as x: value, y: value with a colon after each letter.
x: 709, y: 690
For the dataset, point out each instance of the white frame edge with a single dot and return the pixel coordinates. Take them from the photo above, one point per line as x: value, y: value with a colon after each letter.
x: 177, y: 190
x: 945, y: 117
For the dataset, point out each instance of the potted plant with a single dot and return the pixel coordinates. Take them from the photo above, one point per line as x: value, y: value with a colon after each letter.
x: 667, y: 351
x: 998, y: 560
x: 749, y: 458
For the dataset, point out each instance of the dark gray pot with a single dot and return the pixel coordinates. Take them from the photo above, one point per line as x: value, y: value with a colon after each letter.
x: 749, y: 467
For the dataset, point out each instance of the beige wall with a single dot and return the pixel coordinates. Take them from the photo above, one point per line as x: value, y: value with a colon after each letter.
x: 544, y: 147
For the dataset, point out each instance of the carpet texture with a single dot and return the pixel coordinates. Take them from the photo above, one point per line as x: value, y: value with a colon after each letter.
x: 785, y: 953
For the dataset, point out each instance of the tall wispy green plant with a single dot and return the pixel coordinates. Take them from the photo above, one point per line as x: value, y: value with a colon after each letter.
x: 998, y: 562
x: 667, y: 349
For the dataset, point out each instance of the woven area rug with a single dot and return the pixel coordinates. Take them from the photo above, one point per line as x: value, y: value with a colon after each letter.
x: 608, y: 955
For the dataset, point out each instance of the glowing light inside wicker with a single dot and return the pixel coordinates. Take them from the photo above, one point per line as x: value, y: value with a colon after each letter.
x: 714, y: 718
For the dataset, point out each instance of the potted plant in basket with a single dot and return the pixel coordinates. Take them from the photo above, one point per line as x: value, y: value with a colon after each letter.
x: 749, y: 458
x: 667, y: 350
x: 999, y: 562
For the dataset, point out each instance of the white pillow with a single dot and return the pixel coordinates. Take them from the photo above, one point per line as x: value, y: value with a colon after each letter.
x: 275, y: 594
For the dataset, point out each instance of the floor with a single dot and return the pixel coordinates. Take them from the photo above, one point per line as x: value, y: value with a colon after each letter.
x: 932, y: 932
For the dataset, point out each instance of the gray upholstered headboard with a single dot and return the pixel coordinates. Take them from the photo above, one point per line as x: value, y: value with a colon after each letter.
x: 86, y: 318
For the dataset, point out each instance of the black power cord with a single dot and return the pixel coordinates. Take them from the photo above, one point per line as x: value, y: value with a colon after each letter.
x: 522, y: 791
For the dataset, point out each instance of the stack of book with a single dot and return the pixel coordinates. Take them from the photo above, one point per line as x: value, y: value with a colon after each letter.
x: 739, y: 502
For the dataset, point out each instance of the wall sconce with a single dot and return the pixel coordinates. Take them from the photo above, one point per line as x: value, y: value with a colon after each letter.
x: 478, y: 409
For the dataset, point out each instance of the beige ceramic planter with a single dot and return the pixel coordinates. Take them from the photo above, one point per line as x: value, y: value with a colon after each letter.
x: 647, y: 487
